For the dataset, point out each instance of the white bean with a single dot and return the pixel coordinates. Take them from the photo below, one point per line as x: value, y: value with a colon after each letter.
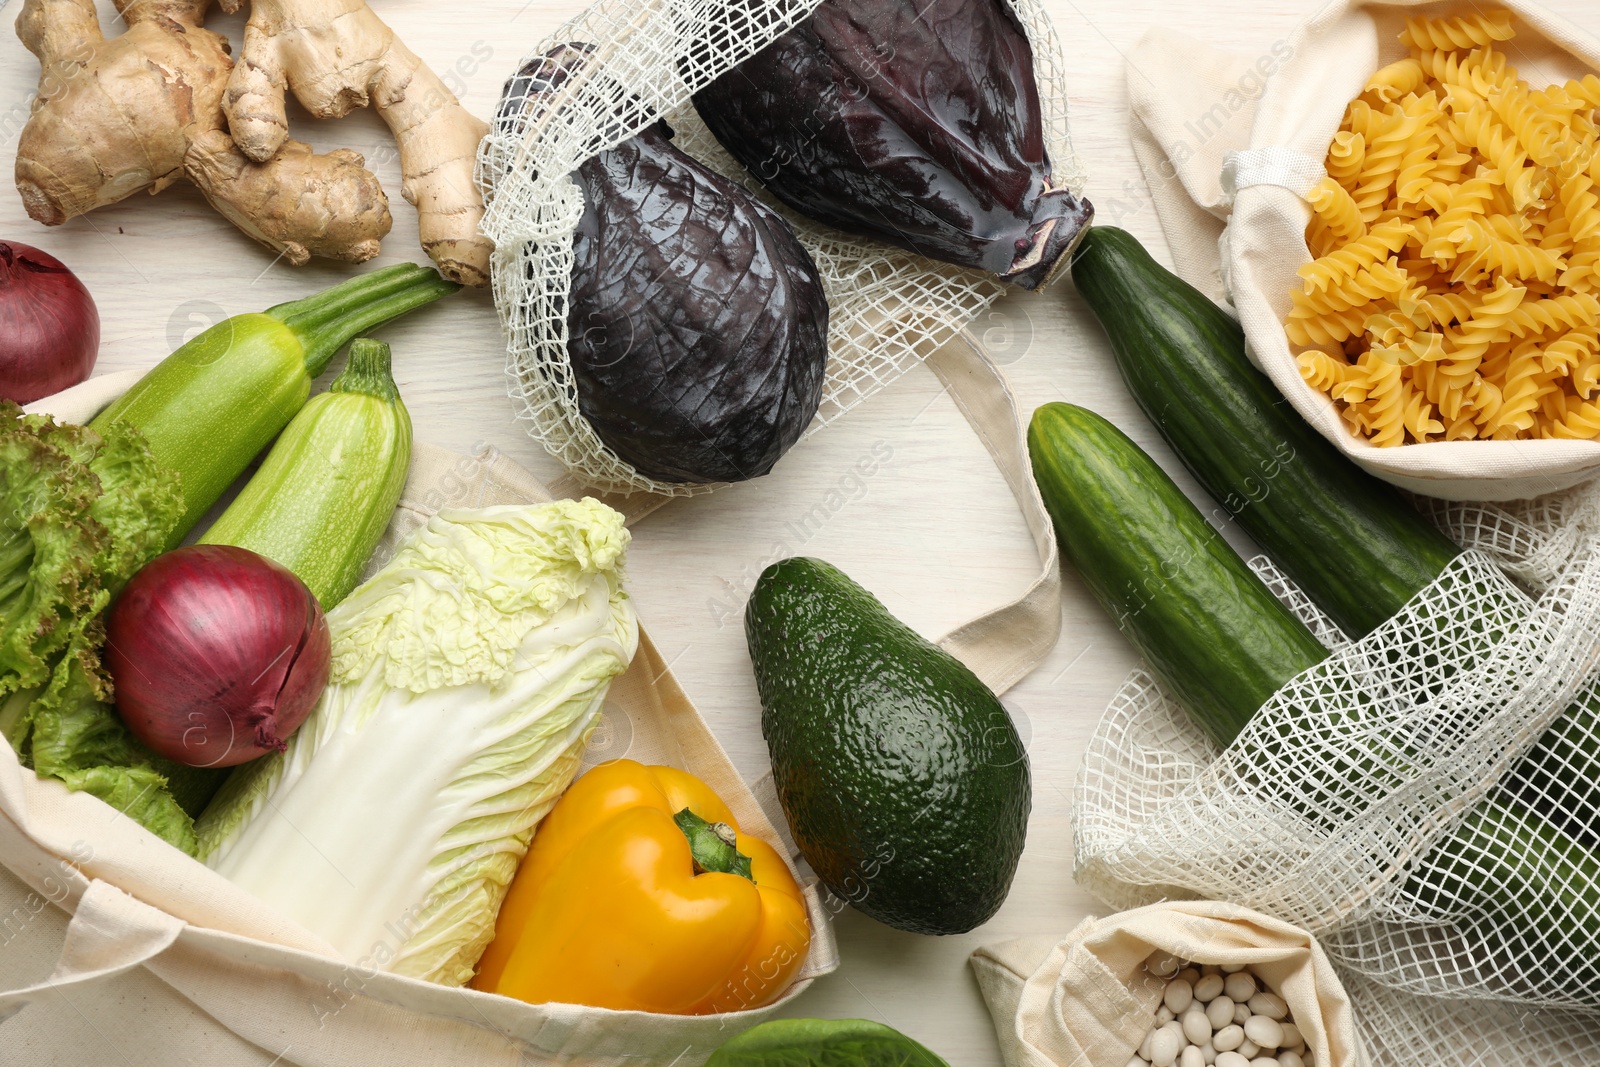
x: 1231, y: 1059
x: 1208, y: 988
x: 1265, y: 1061
x: 1241, y: 1012
x: 1292, y: 1037
x: 1144, y: 1046
x: 1164, y: 1048
x: 1228, y: 1039
x: 1135, y: 1061
x: 1220, y: 1012
x: 1210, y: 968
x: 1269, y: 1004
x: 1164, y: 1015
x: 1209, y: 1053
x: 1241, y: 986
x: 1189, y: 974
x: 1263, y: 1031
x: 1232, y: 968
x: 1290, y: 1058
x: 1196, y: 1027
x: 1179, y: 995
x: 1249, y: 1050
x: 1191, y: 1057
x: 1162, y: 964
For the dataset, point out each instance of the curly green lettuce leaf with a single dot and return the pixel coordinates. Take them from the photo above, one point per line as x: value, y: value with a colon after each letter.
x: 469, y: 673
x: 48, y: 545
x: 78, y: 739
x: 79, y: 514
x: 140, y: 504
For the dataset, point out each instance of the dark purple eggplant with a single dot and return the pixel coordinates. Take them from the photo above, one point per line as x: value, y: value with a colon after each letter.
x: 914, y: 122
x: 697, y: 323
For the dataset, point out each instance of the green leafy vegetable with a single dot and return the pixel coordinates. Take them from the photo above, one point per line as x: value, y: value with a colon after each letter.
x: 823, y: 1043
x: 81, y: 513
x: 467, y: 676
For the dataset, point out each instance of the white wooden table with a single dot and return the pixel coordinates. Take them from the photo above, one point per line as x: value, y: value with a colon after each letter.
x: 934, y: 532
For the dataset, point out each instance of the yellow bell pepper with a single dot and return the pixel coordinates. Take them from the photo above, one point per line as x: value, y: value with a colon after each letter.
x: 628, y: 899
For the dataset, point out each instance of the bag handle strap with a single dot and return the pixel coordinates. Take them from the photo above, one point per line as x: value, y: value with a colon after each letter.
x: 110, y: 933
x: 1003, y: 645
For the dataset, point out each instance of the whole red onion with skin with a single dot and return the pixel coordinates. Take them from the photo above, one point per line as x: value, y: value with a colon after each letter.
x: 218, y: 655
x: 49, y: 327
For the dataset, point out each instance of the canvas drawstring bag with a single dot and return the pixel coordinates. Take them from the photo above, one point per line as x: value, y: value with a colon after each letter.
x: 1087, y: 999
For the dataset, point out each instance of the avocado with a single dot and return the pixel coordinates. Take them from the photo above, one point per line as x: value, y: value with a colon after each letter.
x: 902, y: 777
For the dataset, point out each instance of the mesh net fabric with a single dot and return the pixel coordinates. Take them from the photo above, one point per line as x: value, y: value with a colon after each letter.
x: 888, y: 309
x: 1341, y: 806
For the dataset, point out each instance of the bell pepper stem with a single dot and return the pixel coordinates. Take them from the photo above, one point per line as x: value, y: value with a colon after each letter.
x: 713, y: 845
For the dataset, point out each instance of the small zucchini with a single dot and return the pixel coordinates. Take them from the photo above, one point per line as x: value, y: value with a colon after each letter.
x: 327, y: 490
x: 210, y: 407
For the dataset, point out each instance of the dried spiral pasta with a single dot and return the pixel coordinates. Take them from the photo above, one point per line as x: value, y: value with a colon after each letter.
x: 1454, y: 291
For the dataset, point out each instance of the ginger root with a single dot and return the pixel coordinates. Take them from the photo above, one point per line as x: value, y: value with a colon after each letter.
x: 337, y: 55
x: 141, y: 110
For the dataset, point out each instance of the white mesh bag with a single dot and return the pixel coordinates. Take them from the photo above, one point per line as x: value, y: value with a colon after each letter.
x: 888, y: 308
x: 1384, y: 799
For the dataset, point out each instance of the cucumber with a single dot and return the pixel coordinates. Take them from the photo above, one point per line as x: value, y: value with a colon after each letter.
x: 1348, y: 540
x: 1119, y: 519
x: 210, y: 407
x: 1159, y: 568
x: 325, y: 494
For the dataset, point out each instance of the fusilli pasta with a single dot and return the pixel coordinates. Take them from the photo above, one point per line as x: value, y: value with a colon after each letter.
x: 1454, y: 290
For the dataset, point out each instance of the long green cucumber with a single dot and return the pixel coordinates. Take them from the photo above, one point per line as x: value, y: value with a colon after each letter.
x: 1350, y: 541
x: 1157, y: 566
x: 1119, y: 519
x: 1347, y: 539
x: 210, y: 407
x: 327, y: 490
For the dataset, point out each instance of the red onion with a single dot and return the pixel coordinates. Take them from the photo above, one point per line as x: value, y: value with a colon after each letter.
x: 49, y: 328
x: 218, y: 654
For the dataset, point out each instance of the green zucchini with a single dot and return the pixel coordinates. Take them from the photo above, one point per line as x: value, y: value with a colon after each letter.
x: 210, y: 407
x: 1347, y: 539
x: 1119, y: 520
x: 326, y: 492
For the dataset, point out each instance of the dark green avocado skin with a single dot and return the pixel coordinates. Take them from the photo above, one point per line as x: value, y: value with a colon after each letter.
x: 902, y: 777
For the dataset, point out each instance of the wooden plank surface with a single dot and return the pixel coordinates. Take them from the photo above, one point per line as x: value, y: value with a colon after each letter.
x: 933, y: 531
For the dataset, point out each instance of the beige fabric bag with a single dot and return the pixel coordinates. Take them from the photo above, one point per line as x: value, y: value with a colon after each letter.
x: 1086, y: 1000
x: 1216, y: 148
x: 163, y: 955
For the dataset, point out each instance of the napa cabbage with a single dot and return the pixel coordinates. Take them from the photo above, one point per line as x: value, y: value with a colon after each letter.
x: 467, y: 676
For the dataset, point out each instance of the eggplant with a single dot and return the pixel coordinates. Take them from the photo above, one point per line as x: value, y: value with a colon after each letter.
x: 697, y: 324
x: 913, y: 122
